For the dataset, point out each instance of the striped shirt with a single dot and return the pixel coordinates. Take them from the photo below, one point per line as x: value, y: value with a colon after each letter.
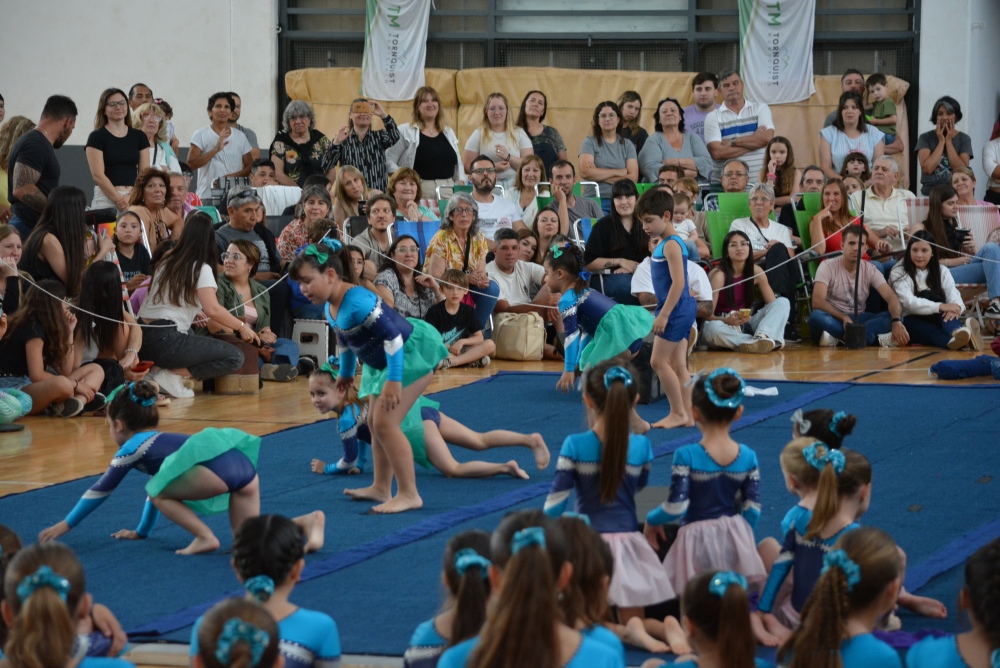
x: 367, y: 154
x: 724, y: 124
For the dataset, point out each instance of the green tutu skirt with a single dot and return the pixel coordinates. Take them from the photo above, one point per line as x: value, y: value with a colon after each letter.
x: 201, y: 447
x: 421, y: 354
x: 620, y: 327
x: 413, y: 429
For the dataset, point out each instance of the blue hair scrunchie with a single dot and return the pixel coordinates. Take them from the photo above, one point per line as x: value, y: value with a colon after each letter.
x: 43, y: 577
x: 617, y: 373
x: 526, y: 538
x: 835, y: 420
x: 261, y: 587
x: 145, y: 403
x: 467, y: 558
x: 995, y: 659
x: 817, y: 461
x: 722, y: 580
x: 839, y: 559
x: 236, y: 631
x: 584, y: 275
x: 583, y: 517
x: 333, y: 244
x: 732, y: 402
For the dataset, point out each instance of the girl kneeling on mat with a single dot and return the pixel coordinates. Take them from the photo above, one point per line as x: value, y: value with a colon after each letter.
x: 213, y: 470
x: 428, y: 431
x: 399, y: 357
x: 596, y: 327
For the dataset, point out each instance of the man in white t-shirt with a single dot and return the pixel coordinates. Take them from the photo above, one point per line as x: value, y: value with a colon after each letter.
x: 884, y: 204
x: 739, y: 128
x: 219, y: 150
x: 275, y: 197
x: 522, y: 286
x: 494, y: 212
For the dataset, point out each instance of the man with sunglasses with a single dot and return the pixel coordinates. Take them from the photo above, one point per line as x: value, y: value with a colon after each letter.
x: 494, y: 212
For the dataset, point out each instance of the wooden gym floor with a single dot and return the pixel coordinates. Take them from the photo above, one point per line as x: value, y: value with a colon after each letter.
x: 52, y: 450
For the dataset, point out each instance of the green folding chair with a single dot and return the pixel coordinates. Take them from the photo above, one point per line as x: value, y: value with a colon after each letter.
x: 718, y: 228
x: 812, y: 202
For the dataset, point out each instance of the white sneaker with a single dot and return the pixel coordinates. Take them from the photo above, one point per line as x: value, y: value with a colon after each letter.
x: 827, y: 341
x: 886, y: 340
x: 960, y: 338
x: 758, y: 346
x: 977, y: 334
x: 170, y: 383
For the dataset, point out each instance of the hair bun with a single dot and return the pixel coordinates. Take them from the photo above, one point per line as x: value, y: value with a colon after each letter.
x: 145, y: 389
x: 726, y: 385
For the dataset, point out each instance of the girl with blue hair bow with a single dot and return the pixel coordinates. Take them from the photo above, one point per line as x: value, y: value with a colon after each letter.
x: 399, y: 356
x: 466, y: 578
x: 858, y: 584
x: 606, y: 467
x: 45, y: 588
x: 528, y: 571
x: 714, y: 491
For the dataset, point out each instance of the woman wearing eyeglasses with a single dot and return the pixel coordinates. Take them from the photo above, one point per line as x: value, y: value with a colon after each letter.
x: 151, y: 119
x: 459, y: 244
x: 250, y: 301
x: 733, y: 324
x: 671, y: 145
x: 116, y: 152
x: 401, y: 282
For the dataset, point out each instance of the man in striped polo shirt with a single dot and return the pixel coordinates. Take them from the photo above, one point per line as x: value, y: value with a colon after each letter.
x: 739, y: 128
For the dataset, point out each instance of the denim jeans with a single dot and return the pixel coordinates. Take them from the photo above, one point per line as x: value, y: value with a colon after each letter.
x: 875, y: 324
x: 486, y: 302
x: 931, y: 330
x: 984, y: 268
x: 616, y: 286
x: 768, y: 321
x: 203, y: 356
x: 22, y: 227
x: 285, y: 352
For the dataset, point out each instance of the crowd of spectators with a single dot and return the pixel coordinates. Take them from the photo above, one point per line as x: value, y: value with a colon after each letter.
x: 494, y: 208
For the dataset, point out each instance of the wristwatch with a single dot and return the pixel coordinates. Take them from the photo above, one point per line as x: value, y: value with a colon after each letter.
x: 732, y: 142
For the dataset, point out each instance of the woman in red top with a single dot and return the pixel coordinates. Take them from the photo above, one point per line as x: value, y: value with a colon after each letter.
x: 825, y: 229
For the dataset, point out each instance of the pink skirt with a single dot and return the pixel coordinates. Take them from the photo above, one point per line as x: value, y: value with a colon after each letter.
x: 638, y: 579
x: 723, y: 544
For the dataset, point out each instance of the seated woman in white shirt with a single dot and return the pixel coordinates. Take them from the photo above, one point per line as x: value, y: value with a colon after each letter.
x: 183, y: 285
x: 932, y: 305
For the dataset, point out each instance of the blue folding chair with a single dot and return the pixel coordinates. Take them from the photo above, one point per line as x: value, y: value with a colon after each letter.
x: 422, y: 231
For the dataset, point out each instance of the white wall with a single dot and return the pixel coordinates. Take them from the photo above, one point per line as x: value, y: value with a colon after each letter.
x: 959, y: 51
x: 185, y: 50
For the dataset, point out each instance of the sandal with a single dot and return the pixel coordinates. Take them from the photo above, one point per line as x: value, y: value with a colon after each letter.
x: 444, y: 364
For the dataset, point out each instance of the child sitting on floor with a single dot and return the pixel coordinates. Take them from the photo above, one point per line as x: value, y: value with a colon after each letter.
x: 465, y: 574
x: 458, y: 324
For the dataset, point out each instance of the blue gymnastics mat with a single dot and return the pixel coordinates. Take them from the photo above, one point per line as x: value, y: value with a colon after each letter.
x: 933, y: 450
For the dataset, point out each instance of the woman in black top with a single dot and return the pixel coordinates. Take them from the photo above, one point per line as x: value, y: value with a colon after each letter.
x: 116, y: 152
x: 618, y: 244
x: 56, y: 247
x: 297, y: 151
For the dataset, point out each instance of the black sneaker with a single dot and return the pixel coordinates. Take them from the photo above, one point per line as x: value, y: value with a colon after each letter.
x: 95, y: 404
x: 792, y: 334
x: 992, y: 311
x: 306, y: 366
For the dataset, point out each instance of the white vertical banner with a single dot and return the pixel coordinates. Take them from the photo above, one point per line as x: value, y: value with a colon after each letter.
x: 776, y: 49
x: 395, y: 48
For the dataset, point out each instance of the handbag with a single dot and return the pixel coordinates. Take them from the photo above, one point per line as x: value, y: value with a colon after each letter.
x: 519, y: 336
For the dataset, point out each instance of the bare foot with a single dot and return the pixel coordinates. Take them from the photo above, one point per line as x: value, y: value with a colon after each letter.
x: 515, y: 471
x: 635, y: 635
x: 541, y: 451
x: 399, y: 504
x: 922, y: 605
x: 776, y: 628
x: 891, y: 622
x: 370, y: 493
x: 676, y: 637
x: 673, y: 421
x: 762, y: 635
x: 314, y: 525
x: 200, y: 545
